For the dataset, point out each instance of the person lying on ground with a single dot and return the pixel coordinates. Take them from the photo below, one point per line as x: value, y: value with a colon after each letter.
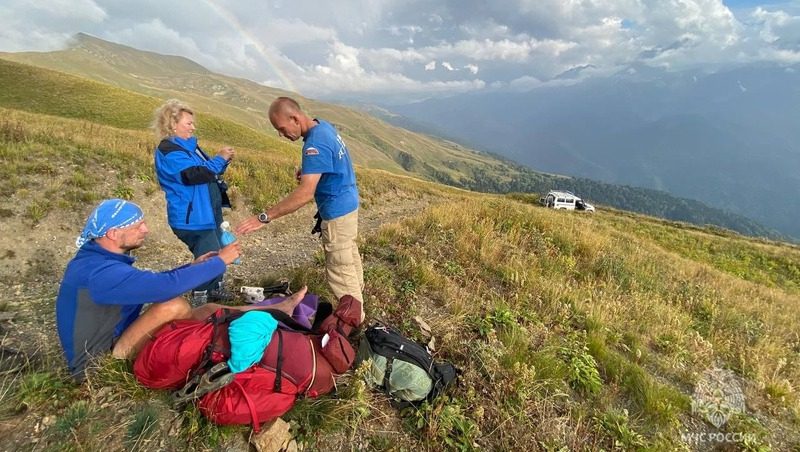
x: 100, y: 300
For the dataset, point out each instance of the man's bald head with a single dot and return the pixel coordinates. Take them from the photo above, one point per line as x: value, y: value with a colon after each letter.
x: 284, y: 106
x: 288, y: 119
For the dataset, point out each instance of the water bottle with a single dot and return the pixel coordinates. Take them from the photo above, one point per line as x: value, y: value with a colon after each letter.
x: 228, y: 237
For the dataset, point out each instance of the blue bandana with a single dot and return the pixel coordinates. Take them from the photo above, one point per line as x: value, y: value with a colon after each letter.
x: 109, y: 214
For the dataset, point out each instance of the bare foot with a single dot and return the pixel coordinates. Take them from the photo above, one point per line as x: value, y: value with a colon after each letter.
x: 287, y: 306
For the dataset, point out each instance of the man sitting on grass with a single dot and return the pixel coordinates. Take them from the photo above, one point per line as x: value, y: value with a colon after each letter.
x: 99, y: 304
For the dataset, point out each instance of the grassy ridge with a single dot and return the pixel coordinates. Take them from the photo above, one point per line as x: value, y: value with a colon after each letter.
x: 58, y: 94
x: 773, y: 264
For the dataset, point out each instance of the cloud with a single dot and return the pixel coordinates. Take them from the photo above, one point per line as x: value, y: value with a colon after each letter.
x: 44, y: 25
x: 293, y: 31
x: 66, y: 9
x: 385, y: 46
x: 343, y: 74
x: 776, y: 26
x: 154, y: 35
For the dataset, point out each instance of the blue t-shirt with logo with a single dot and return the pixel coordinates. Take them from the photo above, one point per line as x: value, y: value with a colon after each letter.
x: 325, y: 153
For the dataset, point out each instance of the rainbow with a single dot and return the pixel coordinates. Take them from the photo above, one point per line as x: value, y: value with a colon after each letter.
x: 250, y: 39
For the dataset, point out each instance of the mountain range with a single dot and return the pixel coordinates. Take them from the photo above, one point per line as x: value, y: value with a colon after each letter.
x: 728, y: 139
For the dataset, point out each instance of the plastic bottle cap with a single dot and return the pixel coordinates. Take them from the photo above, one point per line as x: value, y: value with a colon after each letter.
x: 225, y: 225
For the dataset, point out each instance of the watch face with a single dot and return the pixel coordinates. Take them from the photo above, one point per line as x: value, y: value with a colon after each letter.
x: 263, y: 217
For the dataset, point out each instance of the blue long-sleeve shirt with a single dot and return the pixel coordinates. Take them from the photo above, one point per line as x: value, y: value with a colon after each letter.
x: 102, y: 294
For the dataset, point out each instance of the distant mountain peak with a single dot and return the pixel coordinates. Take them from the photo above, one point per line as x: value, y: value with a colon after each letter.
x: 122, y: 55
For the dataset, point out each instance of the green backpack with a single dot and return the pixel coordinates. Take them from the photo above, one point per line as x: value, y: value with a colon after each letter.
x: 403, y: 368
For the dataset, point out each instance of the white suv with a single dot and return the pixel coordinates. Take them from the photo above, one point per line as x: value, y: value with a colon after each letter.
x: 564, y: 200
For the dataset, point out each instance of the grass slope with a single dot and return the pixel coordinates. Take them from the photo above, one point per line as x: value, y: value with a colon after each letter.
x: 54, y: 93
x: 573, y: 332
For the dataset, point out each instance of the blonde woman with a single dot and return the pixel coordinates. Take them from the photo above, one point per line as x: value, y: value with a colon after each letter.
x: 193, y: 186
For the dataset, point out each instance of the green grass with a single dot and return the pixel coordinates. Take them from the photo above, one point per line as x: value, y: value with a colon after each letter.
x: 67, y: 96
x: 478, y: 265
x: 773, y: 266
x: 570, y: 331
x: 38, y: 390
x: 143, y: 428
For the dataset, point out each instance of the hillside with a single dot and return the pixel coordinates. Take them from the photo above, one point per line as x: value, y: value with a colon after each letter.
x: 374, y: 143
x: 573, y: 332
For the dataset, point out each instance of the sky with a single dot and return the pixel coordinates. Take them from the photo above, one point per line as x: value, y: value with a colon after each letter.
x: 413, y: 49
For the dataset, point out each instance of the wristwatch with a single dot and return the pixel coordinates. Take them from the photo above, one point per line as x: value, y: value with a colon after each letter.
x: 263, y: 217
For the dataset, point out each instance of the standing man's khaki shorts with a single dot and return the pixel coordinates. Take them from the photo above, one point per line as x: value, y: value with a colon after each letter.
x: 342, y: 260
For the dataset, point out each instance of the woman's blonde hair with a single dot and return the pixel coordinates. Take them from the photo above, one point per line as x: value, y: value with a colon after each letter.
x: 166, y: 116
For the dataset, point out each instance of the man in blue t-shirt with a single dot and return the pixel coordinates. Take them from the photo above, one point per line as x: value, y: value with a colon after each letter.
x: 327, y: 177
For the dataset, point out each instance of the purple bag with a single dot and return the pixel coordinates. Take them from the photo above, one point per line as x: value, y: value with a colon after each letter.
x: 304, y: 313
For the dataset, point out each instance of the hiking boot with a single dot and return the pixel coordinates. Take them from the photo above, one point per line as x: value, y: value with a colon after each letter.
x: 221, y: 295
x: 217, y: 377
x: 198, y: 298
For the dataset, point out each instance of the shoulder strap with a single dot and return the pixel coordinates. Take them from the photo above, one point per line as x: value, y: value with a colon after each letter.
x: 442, y: 375
x: 279, y: 365
x: 387, y: 374
x: 215, y: 320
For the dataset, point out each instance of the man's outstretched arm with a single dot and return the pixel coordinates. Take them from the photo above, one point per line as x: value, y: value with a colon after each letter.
x: 302, y: 195
x: 121, y: 283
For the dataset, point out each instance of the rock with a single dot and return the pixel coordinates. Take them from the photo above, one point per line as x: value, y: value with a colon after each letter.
x: 426, y: 329
x: 43, y: 424
x: 274, y: 438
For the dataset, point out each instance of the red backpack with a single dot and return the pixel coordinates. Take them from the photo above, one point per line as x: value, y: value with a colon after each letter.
x: 168, y: 360
x: 294, y: 363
